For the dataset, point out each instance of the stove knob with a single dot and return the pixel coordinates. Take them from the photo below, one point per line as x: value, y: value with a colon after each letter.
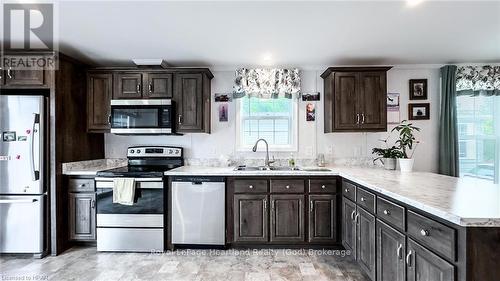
x: 170, y: 151
x: 131, y: 151
x: 138, y: 151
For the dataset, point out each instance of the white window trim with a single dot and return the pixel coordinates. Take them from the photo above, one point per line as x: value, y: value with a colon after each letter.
x: 293, y: 147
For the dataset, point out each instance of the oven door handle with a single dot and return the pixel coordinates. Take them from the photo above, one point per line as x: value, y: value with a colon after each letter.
x: 144, y: 183
x: 136, y: 179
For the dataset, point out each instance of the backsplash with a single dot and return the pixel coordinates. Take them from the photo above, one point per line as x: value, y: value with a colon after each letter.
x: 338, y: 148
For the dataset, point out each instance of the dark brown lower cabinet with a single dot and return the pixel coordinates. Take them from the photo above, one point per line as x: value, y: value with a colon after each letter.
x: 322, y: 218
x: 287, y: 217
x: 250, y: 218
x: 349, y: 226
x: 391, y: 249
x: 82, y: 216
x: 422, y: 265
x: 365, y: 242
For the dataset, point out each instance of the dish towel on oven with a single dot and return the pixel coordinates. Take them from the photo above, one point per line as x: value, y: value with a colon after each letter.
x: 124, y: 191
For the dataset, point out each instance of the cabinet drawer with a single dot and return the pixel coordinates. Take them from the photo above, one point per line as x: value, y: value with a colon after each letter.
x: 81, y: 185
x: 391, y: 213
x: 436, y: 236
x: 250, y: 186
x: 349, y: 190
x: 287, y: 186
x: 366, y: 200
x: 322, y: 186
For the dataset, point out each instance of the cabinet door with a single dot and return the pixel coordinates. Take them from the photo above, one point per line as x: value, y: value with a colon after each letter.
x: 24, y: 77
x: 391, y: 249
x: 287, y: 218
x: 365, y: 231
x: 348, y: 225
x: 373, y: 100
x: 159, y: 85
x: 99, y: 91
x: 322, y: 218
x: 250, y: 218
x: 423, y: 265
x: 346, y: 112
x: 82, y: 216
x: 188, y: 95
x: 127, y: 86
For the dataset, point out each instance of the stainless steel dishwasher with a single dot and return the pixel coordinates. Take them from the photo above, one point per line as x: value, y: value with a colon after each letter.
x: 198, y: 211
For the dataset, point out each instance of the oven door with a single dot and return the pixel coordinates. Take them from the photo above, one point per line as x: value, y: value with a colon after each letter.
x: 147, y: 210
x: 146, y: 117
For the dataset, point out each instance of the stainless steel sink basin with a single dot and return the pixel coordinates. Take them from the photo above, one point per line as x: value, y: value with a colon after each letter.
x: 279, y: 168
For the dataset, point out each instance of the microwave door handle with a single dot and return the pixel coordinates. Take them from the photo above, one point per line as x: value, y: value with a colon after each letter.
x: 35, y: 175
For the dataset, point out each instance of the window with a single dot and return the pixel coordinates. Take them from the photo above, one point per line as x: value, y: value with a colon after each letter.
x: 271, y: 119
x: 478, y: 136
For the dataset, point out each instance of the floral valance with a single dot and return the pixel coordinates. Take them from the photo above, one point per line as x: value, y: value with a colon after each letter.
x: 266, y: 83
x: 478, y: 80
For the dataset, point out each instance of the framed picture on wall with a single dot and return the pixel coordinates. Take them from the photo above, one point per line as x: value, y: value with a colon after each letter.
x: 419, y: 111
x: 418, y: 89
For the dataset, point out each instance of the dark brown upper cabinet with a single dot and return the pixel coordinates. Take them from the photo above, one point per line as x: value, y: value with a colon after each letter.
x: 99, y: 91
x: 159, y: 85
x: 355, y: 99
x: 192, y: 98
x: 127, y: 85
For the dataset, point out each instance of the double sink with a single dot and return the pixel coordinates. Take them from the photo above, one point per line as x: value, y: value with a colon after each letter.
x: 280, y: 168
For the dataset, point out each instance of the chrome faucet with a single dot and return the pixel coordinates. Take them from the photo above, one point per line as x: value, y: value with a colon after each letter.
x: 267, y: 161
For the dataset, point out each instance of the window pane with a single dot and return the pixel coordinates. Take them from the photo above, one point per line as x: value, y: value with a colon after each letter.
x: 281, y: 138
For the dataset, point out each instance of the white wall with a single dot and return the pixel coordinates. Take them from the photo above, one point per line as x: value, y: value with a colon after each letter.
x: 312, y: 140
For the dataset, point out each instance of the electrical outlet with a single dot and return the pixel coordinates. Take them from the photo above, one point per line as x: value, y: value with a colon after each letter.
x: 329, y: 150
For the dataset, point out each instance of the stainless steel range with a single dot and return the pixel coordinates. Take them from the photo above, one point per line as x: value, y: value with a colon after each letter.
x: 138, y: 227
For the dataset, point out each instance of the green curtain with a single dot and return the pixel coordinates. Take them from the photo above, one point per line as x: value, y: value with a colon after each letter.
x: 448, y: 132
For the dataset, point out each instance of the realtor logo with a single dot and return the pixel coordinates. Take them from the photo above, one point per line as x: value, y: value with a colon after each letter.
x: 28, y: 27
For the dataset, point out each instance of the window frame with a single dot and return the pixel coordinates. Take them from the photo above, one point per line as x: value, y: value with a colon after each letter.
x: 294, y: 134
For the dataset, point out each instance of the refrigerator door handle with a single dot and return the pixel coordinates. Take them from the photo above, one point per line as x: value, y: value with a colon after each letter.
x: 10, y: 201
x: 35, y: 175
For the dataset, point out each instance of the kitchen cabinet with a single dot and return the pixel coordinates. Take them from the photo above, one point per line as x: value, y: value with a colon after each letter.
x: 127, y: 85
x: 18, y: 77
x: 159, y: 85
x: 365, y: 241
x: 250, y: 218
x: 189, y: 98
x: 81, y: 209
x: 355, y: 99
x: 349, y: 226
x: 287, y: 217
x: 322, y: 218
x: 422, y: 264
x: 282, y: 211
x: 391, y: 250
x: 99, y: 92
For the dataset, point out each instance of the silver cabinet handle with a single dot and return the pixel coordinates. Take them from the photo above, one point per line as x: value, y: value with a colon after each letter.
x: 9, y: 73
x: 362, y: 199
x: 265, y: 204
x: 180, y: 118
x: 346, y: 190
x: 323, y: 187
x: 150, y: 87
x: 356, y: 219
x: 250, y: 186
x: 408, y: 259
x: 109, y: 119
x: 311, y: 206
x: 272, y: 204
x: 400, y: 251
x: 424, y: 232
x: 387, y: 212
x: 81, y: 185
x: 357, y: 118
x: 352, y: 215
x: 287, y: 187
x: 362, y: 118
x: 92, y: 203
x: 138, y: 88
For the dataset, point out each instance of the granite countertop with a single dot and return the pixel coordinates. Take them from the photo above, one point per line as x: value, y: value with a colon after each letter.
x: 462, y: 201
x: 91, y: 167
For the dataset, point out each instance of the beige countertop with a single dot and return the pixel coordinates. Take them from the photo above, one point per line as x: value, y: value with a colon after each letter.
x: 91, y: 167
x: 462, y: 201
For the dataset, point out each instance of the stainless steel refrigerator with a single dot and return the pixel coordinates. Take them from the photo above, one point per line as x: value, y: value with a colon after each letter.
x: 22, y: 177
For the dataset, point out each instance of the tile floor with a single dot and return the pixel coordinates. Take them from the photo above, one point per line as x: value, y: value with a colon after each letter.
x: 84, y: 263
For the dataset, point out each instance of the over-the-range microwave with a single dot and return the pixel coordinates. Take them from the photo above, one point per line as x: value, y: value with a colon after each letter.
x: 141, y: 117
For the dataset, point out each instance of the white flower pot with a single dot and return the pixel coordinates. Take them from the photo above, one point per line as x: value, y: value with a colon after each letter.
x: 405, y: 165
x: 389, y: 163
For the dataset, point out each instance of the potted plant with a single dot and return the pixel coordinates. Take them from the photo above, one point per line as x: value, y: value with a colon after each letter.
x: 387, y: 156
x: 406, y: 143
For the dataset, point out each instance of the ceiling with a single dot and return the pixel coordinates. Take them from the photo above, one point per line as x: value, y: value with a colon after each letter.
x: 278, y: 33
